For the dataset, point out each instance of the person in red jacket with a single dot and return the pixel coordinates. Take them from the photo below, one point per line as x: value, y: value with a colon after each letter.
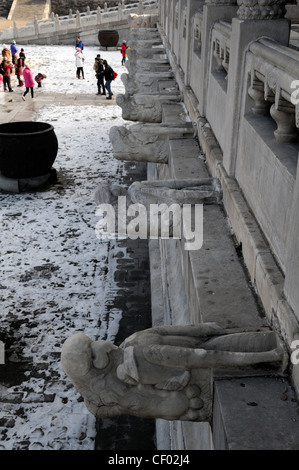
x: 29, y: 82
x: 124, y: 48
x: 7, y: 65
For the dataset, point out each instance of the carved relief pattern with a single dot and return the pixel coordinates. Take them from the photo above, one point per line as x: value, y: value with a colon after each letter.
x: 261, y: 9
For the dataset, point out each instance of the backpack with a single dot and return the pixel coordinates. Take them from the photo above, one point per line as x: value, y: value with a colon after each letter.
x: 2, y: 71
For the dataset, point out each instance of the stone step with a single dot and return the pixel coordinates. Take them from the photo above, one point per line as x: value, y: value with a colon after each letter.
x: 28, y: 10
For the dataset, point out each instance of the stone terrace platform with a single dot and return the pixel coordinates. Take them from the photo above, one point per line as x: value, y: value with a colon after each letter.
x: 51, y: 421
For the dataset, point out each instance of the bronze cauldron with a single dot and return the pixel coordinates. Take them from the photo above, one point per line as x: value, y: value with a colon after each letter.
x: 27, y: 149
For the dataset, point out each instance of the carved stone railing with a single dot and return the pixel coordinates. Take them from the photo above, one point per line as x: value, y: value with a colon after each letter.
x: 78, y: 21
x: 274, y: 72
x: 221, y: 36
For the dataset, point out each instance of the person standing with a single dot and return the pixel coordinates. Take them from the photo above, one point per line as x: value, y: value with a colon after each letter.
x: 6, y: 54
x: 29, y: 82
x: 108, y: 74
x: 124, y: 48
x: 13, y: 50
x: 22, y: 55
x: 79, y: 43
x: 19, y: 64
x: 99, y: 70
x: 7, y: 65
x: 79, y: 62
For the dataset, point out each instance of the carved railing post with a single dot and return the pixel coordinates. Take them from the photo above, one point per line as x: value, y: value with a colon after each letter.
x: 78, y: 19
x: 120, y: 11
x: 217, y: 55
x: 36, y: 29
x: 15, y: 30
x: 99, y: 15
x: 57, y: 23
x: 140, y: 7
x: 213, y: 12
x: 225, y: 62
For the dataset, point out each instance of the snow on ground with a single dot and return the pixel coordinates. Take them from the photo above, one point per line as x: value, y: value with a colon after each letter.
x: 55, y: 274
x: 58, y: 63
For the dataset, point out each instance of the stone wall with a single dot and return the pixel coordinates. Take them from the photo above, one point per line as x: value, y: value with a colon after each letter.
x: 236, y: 79
x: 5, y: 6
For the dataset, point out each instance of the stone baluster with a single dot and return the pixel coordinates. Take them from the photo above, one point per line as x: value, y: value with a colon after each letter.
x: 105, y: 6
x: 225, y: 62
x: 217, y: 55
x: 70, y: 13
x: 197, y: 37
x: 88, y: 10
x: 283, y: 114
x: 256, y: 92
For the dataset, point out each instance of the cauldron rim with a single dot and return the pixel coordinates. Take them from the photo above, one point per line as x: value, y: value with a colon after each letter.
x: 48, y: 128
x: 108, y: 31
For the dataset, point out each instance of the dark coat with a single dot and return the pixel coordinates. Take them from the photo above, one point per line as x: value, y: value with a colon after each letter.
x: 108, y: 73
x: 19, y: 66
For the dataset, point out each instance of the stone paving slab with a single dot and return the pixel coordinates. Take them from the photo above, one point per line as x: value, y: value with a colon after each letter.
x: 269, y: 411
x: 70, y: 282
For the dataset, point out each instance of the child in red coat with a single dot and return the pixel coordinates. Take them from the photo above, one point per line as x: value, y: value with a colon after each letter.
x: 29, y: 82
